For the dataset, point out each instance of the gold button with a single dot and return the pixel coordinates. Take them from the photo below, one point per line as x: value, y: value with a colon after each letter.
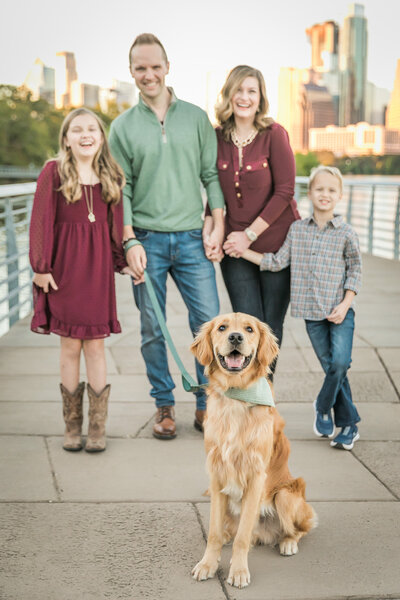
x: 239, y: 195
x: 249, y: 167
x: 236, y: 184
x: 224, y: 166
x: 265, y: 165
x: 236, y: 172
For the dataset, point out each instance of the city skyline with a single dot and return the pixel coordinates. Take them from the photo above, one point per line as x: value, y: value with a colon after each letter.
x: 213, y: 41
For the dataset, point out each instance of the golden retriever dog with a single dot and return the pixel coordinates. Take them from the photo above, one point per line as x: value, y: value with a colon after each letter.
x: 254, y: 498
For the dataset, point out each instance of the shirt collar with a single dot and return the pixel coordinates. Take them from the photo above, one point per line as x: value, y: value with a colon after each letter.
x: 174, y: 99
x: 336, y: 221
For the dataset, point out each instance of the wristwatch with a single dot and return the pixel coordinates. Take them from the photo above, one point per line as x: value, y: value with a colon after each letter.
x: 251, y: 234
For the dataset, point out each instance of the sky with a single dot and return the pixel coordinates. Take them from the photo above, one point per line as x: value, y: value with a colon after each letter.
x: 210, y: 35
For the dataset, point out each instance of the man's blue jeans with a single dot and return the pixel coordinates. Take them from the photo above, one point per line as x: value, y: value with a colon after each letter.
x: 182, y: 255
x: 333, y: 345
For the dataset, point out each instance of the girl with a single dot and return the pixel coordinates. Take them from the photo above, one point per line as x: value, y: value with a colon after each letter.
x: 75, y: 246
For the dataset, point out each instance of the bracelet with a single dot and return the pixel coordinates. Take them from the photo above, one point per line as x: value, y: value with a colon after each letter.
x: 124, y: 242
x: 127, y: 244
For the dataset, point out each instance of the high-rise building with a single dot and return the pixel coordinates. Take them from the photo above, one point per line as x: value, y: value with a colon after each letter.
x: 303, y: 104
x: 353, y: 66
x: 393, y: 111
x: 65, y: 75
x: 324, y: 39
x: 84, y: 94
x: 376, y: 102
x: 41, y: 81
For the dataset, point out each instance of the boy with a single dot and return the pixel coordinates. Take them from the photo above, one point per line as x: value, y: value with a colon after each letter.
x: 325, y: 260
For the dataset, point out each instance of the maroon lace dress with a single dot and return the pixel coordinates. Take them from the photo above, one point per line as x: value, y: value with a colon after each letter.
x: 82, y: 257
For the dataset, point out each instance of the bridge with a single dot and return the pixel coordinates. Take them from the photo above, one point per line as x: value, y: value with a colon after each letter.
x: 130, y: 523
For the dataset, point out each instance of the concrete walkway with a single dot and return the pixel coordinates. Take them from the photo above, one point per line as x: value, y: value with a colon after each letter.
x: 130, y: 523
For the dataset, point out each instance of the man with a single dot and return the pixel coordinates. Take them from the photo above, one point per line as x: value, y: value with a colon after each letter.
x: 166, y: 148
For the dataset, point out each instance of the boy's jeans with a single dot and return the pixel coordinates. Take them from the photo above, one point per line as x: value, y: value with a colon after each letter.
x: 182, y: 255
x: 333, y: 345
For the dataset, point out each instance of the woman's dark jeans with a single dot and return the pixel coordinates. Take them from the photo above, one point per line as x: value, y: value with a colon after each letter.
x: 262, y: 294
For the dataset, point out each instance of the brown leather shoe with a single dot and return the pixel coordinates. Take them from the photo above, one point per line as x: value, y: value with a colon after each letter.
x: 199, y: 419
x: 164, y: 427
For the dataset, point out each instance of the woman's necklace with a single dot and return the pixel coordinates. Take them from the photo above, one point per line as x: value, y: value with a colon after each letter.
x: 240, y: 144
x: 89, y: 202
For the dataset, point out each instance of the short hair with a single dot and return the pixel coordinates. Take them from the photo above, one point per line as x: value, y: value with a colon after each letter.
x: 224, y: 107
x: 146, y: 38
x: 325, y: 169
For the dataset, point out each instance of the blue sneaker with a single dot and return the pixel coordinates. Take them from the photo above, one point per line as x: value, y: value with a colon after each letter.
x: 346, y: 438
x: 323, y: 423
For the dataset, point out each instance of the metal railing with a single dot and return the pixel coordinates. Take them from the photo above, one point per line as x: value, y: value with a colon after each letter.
x: 372, y: 208
x: 12, y: 172
x: 15, y: 272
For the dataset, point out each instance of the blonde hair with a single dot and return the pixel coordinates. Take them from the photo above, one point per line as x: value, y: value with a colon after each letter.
x: 224, y: 108
x: 106, y: 168
x: 324, y: 169
x: 146, y: 39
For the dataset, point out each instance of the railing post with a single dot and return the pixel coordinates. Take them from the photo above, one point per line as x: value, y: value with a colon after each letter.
x: 350, y: 205
x: 396, y: 252
x: 12, y: 266
x: 371, y: 222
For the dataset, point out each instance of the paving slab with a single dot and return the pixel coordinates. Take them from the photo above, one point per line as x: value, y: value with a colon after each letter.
x: 38, y: 361
x: 333, y: 475
x: 353, y: 553
x: 131, y: 361
x: 132, y: 470
x: 291, y: 360
x: 124, y: 419
x: 391, y: 358
x: 25, y: 472
x: 101, y: 552
x: 304, y: 387
x: 363, y: 359
x: 382, y: 334
x: 383, y: 459
x: 396, y: 380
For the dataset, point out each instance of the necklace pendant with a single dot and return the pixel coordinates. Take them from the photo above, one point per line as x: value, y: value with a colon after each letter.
x: 91, y: 217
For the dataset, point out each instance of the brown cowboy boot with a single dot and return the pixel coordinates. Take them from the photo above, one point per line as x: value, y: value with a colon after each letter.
x: 73, y: 417
x: 199, y: 419
x: 164, y: 427
x: 98, y: 403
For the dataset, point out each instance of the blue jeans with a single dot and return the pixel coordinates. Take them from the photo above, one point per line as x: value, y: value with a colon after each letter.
x: 333, y: 345
x: 182, y: 255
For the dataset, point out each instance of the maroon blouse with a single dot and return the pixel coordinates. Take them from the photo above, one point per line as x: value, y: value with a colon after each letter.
x: 81, y: 256
x: 264, y: 187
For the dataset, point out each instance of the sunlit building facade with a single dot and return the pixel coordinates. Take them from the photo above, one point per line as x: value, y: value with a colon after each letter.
x: 65, y: 74
x: 393, y: 111
x: 355, y: 140
x: 41, y: 82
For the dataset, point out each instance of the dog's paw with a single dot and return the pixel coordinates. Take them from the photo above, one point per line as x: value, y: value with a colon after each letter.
x: 239, y: 577
x: 288, y: 547
x: 204, y: 570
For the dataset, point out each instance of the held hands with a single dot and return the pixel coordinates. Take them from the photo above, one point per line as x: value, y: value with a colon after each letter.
x: 213, y: 237
x: 236, y: 243
x: 137, y: 261
x: 127, y: 271
x: 44, y: 281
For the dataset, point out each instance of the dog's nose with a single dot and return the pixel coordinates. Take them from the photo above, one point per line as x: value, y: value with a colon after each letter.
x: 235, y: 338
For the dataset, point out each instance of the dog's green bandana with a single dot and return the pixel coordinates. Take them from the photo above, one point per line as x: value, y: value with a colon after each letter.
x: 259, y: 393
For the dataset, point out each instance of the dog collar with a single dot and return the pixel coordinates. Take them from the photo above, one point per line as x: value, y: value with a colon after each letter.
x: 259, y: 393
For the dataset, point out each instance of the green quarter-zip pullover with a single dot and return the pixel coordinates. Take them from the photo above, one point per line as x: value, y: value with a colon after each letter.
x: 164, y: 164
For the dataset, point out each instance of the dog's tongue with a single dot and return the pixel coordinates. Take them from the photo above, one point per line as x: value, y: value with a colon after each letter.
x: 234, y: 361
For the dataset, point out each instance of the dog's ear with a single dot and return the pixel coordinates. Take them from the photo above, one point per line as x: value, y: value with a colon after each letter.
x: 202, y: 346
x: 267, y: 347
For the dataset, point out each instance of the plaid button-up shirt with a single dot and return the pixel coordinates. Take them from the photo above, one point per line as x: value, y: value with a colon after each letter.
x: 324, y: 264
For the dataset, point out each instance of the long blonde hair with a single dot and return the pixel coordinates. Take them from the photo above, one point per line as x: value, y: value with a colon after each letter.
x: 106, y: 168
x: 224, y: 108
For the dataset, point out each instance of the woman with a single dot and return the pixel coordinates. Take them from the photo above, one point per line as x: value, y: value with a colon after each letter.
x: 257, y: 175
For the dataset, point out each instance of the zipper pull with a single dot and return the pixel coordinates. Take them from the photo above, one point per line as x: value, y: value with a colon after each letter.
x: 164, y: 135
